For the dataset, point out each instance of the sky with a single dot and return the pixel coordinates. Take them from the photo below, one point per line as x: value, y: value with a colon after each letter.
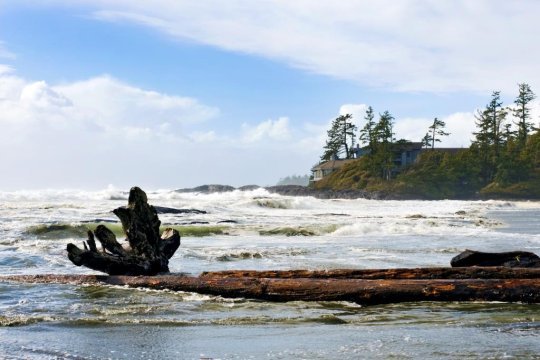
x: 176, y: 93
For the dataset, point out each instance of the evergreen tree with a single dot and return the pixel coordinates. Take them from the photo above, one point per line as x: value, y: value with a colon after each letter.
x: 489, y: 137
x: 522, y: 112
x: 383, y: 158
x: 331, y: 149
x: 367, y: 134
x: 340, y: 138
x: 348, y: 131
x: 437, y: 130
x: 383, y: 130
x: 427, y: 140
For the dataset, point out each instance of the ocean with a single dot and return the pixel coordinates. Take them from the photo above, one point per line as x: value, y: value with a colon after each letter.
x: 259, y: 230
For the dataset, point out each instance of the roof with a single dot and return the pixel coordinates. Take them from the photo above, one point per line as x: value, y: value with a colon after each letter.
x: 410, y: 146
x: 332, y: 164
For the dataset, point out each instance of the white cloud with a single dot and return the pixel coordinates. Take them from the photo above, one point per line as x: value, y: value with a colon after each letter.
x: 358, y: 111
x: 100, y: 131
x: 113, y: 103
x: 5, y: 69
x: 408, y: 45
x: 276, y: 130
x: 459, y: 125
x: 206, y: 137
x: 102, y: 103
x: 5, y: 53
x: 53, y: 135
x: 40, y: 95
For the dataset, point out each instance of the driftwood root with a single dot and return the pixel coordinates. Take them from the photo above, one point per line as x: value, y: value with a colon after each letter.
x: 149, y: 252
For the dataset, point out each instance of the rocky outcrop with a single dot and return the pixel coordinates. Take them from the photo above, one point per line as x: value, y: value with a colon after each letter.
x: 208, y: 189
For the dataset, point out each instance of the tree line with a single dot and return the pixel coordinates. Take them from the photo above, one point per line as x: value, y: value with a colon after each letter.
x: 504, y: 150
x: 377, y: 137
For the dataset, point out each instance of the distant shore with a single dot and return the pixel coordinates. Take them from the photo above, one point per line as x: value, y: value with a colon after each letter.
x: 297, y: 190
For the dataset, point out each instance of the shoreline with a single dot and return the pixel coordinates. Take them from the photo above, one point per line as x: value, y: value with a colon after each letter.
x: 299, y: 190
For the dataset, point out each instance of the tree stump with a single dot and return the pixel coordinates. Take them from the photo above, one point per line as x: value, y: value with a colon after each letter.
x: 149, y: 252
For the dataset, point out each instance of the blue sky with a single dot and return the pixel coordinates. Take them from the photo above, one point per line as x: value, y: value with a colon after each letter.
x: 238, y: 92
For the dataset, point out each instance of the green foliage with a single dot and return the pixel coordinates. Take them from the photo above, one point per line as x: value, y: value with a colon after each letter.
x: 340, y: 138
x: 382, y: 157
x: 489, y: 138
x: 439, y: 174
x: 522, y: 112
x: 367, y: 134
x: 435, y: 132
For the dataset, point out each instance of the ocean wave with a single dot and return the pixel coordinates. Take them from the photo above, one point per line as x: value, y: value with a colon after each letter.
x: 225, y: 255
x: 22, y: 320
x: 66, y: 231
x: 288, y: 231
x: 110, y: 193
x: 57, y: 231
x: 416, y: 226
x: 273, y: 203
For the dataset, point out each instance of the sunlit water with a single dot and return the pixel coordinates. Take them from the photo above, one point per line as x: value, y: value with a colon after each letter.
x: 94, y: 322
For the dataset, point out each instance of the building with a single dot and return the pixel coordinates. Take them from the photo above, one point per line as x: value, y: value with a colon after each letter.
x: 404, y: 154
x: 326, y: 168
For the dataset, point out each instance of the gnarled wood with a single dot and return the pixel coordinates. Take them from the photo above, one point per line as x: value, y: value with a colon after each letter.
x: 149, y: 252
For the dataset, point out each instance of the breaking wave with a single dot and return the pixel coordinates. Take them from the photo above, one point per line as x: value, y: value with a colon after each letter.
x: 67, y: 231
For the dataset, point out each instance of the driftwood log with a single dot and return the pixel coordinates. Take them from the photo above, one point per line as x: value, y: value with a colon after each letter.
x: 508, y: 259
x: 366, y: 287
x: 149, y: 252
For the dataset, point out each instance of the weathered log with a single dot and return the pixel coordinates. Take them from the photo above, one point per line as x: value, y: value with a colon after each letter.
x: 521, y: 259
x: 388, y: 274
x: 149, y: 252
x: 361, y: 291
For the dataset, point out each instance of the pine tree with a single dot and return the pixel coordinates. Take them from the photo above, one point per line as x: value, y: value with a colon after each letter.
x: 437, y: 131
x: 367, y: 134
x: 340, y: 138
x: 348, y: 131
x: 331, y: 149
x: 522, y: 112
x: 383, y: 130
x: 489, y: 138
x: 427, y: 140
x: 384, y: 135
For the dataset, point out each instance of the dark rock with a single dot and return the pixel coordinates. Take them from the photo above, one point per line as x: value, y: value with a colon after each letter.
x: 249, y: 187
x: 208, y: 189
x: 168, y: 210
x: 507, y: 259
x: 227, y: 222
